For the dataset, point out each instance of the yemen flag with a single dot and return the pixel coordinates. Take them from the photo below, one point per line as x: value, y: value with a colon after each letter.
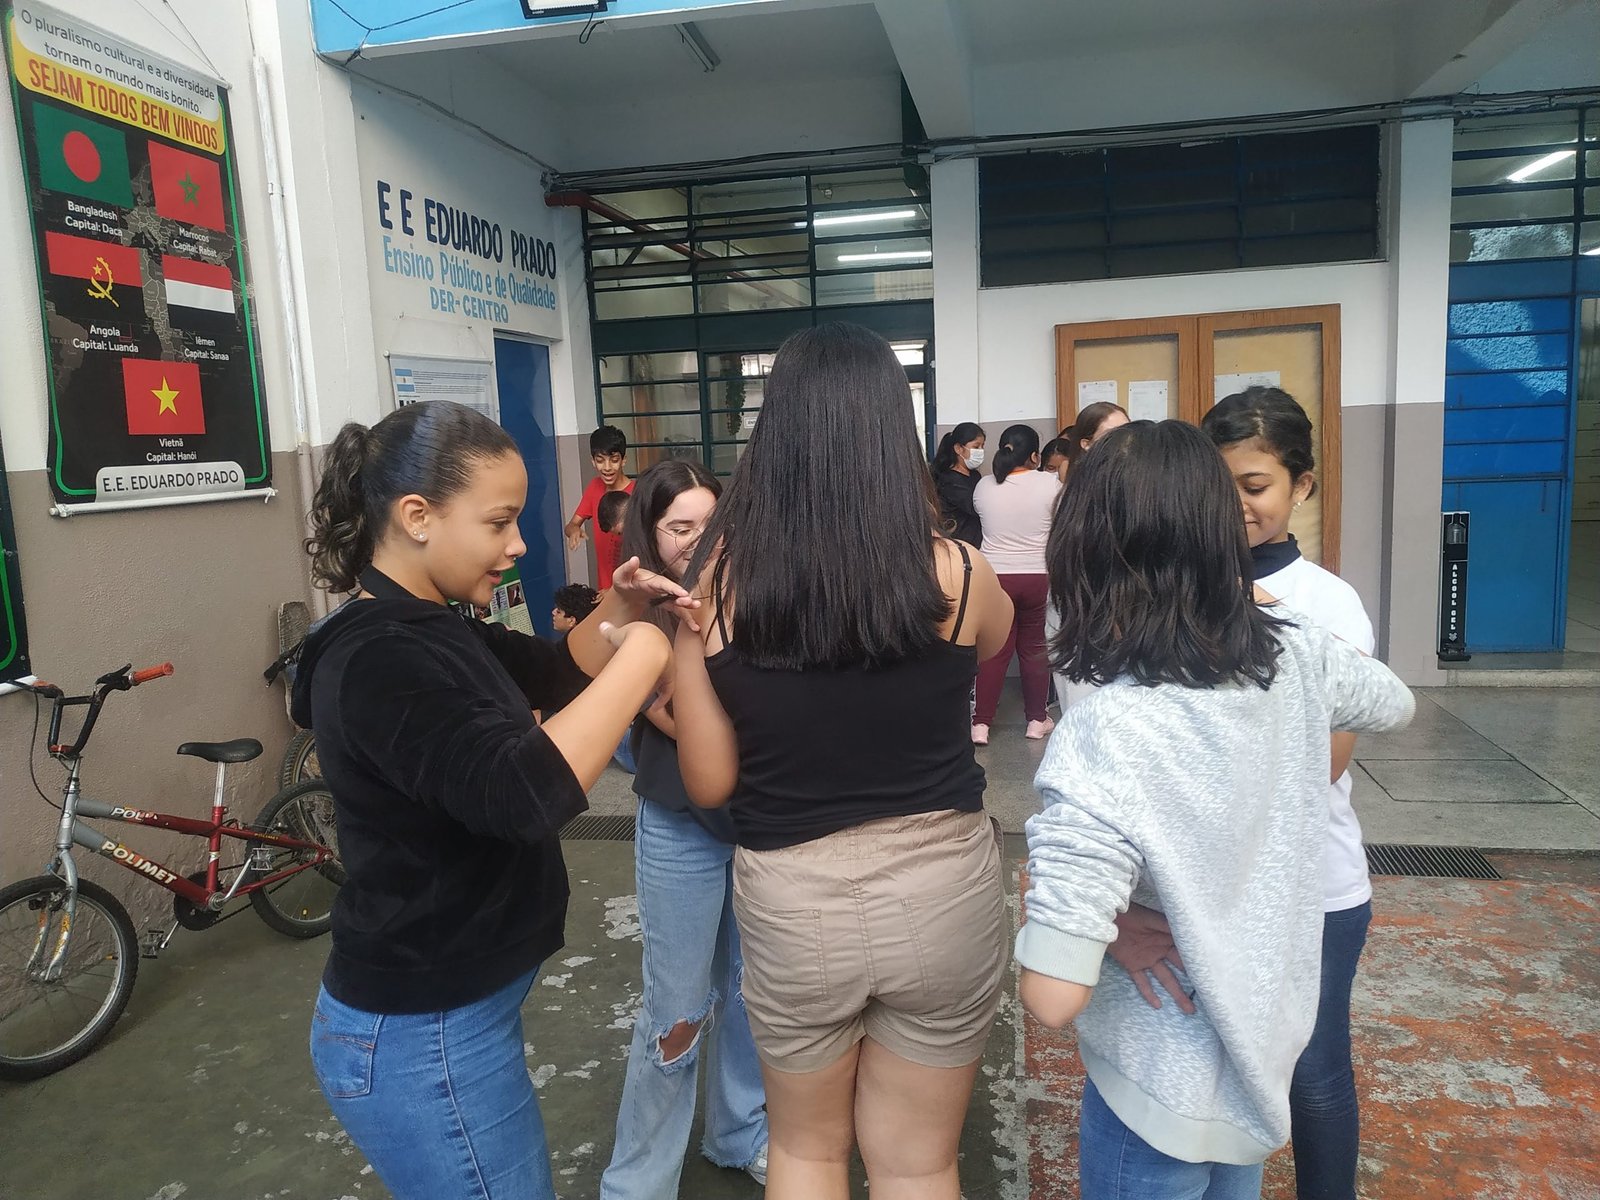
x: 162, y: 397
x: 81, y: 156
x: 188, y: 187
x: 104, y: 264
x: 192, y: 284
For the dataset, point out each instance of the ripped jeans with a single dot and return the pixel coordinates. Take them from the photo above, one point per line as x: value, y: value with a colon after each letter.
x: 692, y: 967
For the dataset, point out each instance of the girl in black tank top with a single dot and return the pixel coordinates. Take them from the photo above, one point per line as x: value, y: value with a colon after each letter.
x: 826, y: 698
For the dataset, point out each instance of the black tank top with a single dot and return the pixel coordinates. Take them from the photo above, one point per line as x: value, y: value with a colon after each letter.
x: 822, y: 750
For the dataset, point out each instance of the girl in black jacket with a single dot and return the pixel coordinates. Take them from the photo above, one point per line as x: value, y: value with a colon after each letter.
x: 955, y: 474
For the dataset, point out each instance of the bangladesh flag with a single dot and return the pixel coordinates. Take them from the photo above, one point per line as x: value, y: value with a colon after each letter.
x: 81, y: 156
x: 162, y: 397
x: 188, y: 187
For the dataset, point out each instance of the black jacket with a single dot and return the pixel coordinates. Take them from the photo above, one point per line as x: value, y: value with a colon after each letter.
x: 955, y: 505
x: 448, y: 800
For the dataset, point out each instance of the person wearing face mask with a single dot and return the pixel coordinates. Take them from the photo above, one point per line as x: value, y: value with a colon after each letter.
x: 956, y: 471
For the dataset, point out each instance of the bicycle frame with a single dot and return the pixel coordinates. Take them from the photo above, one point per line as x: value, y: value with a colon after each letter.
x: 71, y: 830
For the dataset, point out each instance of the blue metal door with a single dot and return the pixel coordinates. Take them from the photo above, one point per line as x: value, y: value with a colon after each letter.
x: 522, y: 375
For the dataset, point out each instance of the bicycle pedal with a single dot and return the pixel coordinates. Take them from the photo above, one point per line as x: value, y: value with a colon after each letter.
x: 152, y: 943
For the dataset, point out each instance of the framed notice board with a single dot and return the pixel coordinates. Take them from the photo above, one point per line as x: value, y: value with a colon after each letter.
x: 152, y: 356
x: 1178, y: 367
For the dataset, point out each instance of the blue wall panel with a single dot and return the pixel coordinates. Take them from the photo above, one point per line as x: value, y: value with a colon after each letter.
x: 1513, y: 567
x: 1510, y: 316
x: 1547, y: 423
x: 1505, y: 389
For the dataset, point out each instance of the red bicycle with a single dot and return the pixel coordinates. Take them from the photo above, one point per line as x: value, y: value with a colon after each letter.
x: 68, y: 952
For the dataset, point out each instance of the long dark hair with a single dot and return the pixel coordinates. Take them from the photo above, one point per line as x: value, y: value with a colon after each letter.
x: 428, y: 449
x: 653, y: 493
x: 963, y: 434
x: 1271, y: 415
x: 1085, y: 426
x: 1150, y: 567
x: 1018, y: 444
x: 827, y: 525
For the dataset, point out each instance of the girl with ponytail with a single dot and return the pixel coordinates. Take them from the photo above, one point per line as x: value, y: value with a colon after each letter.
x: 449, y: 796
x: 955, y: 473
x: 1016, y: 506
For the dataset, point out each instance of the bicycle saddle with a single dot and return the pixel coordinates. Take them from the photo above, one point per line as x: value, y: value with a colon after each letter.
x: 237, y: 751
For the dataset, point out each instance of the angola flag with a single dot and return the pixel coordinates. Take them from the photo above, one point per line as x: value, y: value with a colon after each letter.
x: 81, y: 156
x: 162, y: 397
x: 188, y: 187
x: 104, y: 264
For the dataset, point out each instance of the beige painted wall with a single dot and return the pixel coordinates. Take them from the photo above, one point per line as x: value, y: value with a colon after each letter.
x: 199, y: 585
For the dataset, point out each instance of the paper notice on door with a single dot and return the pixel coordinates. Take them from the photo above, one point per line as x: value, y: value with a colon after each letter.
x: 1096, y: 391
x: 1227, y: 385
x: 1147, y: 400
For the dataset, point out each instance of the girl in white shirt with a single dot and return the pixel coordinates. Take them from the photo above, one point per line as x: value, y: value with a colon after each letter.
x: 1016, y: 504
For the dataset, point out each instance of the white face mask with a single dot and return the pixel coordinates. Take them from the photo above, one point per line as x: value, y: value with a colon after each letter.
x: 975, y: 457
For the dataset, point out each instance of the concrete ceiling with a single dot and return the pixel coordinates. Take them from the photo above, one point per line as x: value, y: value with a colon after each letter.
x: 813, y: 75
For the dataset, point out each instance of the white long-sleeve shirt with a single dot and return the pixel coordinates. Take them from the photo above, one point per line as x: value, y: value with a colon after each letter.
x: 1210, y: 805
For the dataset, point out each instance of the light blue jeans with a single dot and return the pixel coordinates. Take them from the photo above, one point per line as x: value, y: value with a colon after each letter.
x: 440, y: 1102
x: 1115, y: 1163
x: 692, y: 969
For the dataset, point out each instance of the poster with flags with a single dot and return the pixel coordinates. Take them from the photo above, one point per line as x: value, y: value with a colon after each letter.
x: 155, y: 388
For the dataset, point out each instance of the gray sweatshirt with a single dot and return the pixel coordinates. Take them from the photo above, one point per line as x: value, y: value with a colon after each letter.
x: 1210, y: 805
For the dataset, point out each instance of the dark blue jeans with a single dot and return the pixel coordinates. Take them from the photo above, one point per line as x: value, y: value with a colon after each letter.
x: 1324, y: 1114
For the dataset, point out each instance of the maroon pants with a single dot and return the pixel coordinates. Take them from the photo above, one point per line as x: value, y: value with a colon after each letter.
x: 1029, y: 593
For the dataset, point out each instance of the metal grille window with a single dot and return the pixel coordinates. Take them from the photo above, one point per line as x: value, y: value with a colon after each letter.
x: 1526, y: 187
x: 693, y: 288
x: 1179, y: 208
x: 794, y: 242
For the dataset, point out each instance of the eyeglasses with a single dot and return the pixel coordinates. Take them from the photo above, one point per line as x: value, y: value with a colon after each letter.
x: 682, y: 537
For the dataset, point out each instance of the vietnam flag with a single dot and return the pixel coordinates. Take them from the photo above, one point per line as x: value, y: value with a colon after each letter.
x: 103, y: 264
x: 188, y: 187
x: 81, y: 156
x: 162, y: 397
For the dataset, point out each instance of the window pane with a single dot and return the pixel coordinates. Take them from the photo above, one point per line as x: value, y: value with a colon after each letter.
x: 738, y: 363
x: 1589, y: 238
x: 1528, y: 129
x: 646, y: 205
x: 869, y: 287
x: 1175, y: 260
x: 880, y: 219
x: 1175, y: 227
x: 1012, y: 270
x: 1173, y: 174
x: 643, y: 430
x: 873, y: 255
x: 1310, y: 216
x: 1513, y: 204
x: 1328, y: 247
x: 755, y: 294
x: 746, y: 195
x: 1510, y: 241
x: 651, y: 398
x: 1044, y: 236
x: 860, y: 186
x: 618, y: 304
x: 1486, y: 172
x: 725, y: 456
x: 644, y: 457
x: 759, y: 225
x: 627, y: 368
x: 1591, y: 201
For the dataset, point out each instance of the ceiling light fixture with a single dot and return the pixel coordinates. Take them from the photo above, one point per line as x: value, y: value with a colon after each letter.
x: 689, y: 34
x: 1539, y: 164
x: 900, y: 214
x: 889, y: 256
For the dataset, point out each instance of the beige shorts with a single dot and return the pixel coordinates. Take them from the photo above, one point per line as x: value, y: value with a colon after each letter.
x: 895, y: 929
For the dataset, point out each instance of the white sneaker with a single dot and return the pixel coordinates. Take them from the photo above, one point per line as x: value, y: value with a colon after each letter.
x: 757, y: 1169
x: 980, y: 734
x: 1040, y: 729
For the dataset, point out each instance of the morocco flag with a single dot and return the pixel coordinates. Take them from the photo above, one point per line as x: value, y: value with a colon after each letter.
x: 188, y: 187
x: 162, y: 397
x: 81, y: 156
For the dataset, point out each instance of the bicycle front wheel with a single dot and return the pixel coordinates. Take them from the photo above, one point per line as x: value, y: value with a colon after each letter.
x: 301, y: 905
x: 46, y: 1025
x: 299, y: 760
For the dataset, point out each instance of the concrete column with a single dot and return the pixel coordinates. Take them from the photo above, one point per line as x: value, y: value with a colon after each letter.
x: 1414, y: 442
x: 955, y: 291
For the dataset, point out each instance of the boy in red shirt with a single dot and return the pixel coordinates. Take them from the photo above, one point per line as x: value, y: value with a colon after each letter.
x: 608, y: 446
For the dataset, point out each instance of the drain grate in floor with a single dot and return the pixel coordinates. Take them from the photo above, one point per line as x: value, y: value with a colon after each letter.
x: 1438, y: 862
x: 591, y: 828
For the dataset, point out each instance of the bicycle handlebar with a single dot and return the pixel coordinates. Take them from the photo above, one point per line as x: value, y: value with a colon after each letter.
x: 149, y: 673
x: 120, y: 680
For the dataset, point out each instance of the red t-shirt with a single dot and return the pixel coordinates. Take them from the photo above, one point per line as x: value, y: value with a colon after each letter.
x: 606, y: 545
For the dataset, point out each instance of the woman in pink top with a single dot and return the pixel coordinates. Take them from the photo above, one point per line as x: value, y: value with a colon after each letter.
x: 1015, y: 505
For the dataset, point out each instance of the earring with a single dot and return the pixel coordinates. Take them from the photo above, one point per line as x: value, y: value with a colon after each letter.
x: 419, y: 535
x: 1296, y: 508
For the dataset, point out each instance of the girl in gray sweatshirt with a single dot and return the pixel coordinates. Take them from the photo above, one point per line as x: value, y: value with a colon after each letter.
x: 1194, y: 781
